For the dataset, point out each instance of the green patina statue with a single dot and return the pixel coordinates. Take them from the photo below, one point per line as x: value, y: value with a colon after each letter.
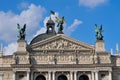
x: 60, y: 22
x: 21, y: 31
x: 98, y: 31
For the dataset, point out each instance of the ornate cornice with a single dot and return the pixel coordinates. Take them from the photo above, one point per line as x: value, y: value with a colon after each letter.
x: 21, y: 65
x: 5, y: 69
x: 71, y: 65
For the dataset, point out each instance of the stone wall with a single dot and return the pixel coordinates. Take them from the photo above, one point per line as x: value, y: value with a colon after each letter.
x: 7, y: 75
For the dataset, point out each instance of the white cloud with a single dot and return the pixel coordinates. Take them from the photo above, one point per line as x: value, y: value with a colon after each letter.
x: 8, y: 20
x: 8, y: 25
x: 73, y: 27
x: 32, y: 17
x: 10, y: 49
x: 91, y: 3
x: 40, y: 31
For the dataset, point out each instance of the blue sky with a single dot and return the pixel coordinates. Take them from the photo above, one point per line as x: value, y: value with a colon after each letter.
x: 80, y: 16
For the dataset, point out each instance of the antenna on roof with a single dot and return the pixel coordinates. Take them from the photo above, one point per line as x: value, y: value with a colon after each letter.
x: 117, y: 49
x: 1, y: 49
x: 111, y: 51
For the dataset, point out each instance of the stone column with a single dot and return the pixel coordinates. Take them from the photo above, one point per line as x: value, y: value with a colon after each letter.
x: 31, y: 75
x: 96, y: 75
x: 71, y: 75
x: 1, y: 75
x: 53, y: 76
x: 75, y: 75
x: 93, y: 75
x: 28, y: 75
x: 110, y: 75
x: 14, y: 76
x: 49, y: 75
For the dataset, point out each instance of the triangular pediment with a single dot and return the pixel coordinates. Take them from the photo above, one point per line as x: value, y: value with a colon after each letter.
x: 60, y: 42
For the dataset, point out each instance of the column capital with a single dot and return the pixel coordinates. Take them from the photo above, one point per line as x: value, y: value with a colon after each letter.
x: 96, y: 70
x: 28, y: 71
x: 75, y: 71
x: 14, y: 71
x: 53, y: 71
x: 110, y: 71
x: 71, y: 71
x: 49, y: 71
x: 92, y: 71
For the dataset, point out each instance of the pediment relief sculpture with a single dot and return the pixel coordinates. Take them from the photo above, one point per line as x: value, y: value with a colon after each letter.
x: 63, y: 44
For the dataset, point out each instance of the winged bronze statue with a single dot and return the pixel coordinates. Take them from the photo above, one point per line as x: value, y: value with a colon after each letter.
x: 21, y: 31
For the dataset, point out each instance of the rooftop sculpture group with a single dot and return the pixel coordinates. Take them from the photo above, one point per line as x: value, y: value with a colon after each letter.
x: 60, y: 22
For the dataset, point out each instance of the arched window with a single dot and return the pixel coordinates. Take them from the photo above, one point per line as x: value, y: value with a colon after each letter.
x: 40, y: 77
x: 62, y: 77
x: 83, y: 77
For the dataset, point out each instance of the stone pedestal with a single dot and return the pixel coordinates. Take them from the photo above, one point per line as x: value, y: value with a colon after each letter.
x: 100, y: 46
x: 21, y: 45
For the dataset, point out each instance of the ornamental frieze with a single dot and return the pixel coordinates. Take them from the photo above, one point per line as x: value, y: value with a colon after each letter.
x: 61, y: 44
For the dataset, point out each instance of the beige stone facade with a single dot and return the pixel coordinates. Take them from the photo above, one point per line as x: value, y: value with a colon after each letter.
x: 60, y: 58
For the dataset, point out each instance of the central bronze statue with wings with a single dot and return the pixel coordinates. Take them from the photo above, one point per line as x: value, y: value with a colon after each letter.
x: 60, y: 22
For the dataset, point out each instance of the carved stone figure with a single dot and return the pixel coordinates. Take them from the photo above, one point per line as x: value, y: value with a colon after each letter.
x: 98, y: 31
x: 21, y: 31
